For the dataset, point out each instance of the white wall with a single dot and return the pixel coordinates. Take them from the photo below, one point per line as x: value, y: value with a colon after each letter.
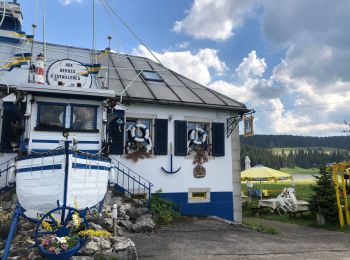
x: 219, y: 169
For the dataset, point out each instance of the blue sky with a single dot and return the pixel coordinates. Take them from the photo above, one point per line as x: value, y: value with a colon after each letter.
x: 272, y: 55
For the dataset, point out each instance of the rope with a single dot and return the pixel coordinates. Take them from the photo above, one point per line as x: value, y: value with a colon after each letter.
x: 3, y: 14
x: 129, y: 29
x: 112, y: 24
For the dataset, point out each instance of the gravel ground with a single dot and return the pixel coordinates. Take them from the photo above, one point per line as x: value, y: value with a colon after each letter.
x: 211, y: 239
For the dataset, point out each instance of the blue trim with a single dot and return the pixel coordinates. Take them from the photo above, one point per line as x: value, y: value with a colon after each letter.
x: 87, y: 106
x: 221, y: 204
x: 46, y: 150
x: 45, y: 141
x: 58, y: 141
x: 40, y: 168
x: 88, y: 167
x: 83, y: 156
x: 39, y: 103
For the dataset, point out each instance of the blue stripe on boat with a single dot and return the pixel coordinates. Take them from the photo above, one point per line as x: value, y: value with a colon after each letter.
x: 40, y: 168
x: 57, y: 141
x: 46, y: 141
x: 88, y: 167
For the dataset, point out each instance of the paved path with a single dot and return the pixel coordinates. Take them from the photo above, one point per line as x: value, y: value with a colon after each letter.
x: 211, y: 239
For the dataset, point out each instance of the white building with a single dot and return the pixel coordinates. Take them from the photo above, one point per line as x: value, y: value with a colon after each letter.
x: 164, y: 122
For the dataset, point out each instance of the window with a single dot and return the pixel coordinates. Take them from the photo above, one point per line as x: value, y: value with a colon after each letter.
x: 130, y: 144
x: 198, y: 134
x: 84, y: 118
x: 151, y: 76
x: 198, y: 195
x: 51, y: 116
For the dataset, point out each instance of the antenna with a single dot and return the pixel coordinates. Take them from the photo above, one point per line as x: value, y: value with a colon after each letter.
x: 109, y: 56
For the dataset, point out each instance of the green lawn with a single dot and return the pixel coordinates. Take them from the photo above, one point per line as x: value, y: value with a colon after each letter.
x: 302, y: 190
x: 299, y: 170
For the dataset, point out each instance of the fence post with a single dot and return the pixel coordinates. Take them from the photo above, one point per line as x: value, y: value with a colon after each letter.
x: 149, y: 194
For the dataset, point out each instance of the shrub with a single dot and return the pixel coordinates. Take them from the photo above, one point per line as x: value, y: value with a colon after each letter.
x: 163, y: 210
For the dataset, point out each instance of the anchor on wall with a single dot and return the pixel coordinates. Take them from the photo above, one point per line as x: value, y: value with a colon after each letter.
x: 171, y: 162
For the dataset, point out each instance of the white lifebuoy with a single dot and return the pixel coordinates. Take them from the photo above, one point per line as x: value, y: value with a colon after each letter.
x: 145, y: 135
x: 198, y: 136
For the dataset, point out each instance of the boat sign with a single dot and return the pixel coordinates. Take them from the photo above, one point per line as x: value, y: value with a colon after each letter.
x: 69, y: 73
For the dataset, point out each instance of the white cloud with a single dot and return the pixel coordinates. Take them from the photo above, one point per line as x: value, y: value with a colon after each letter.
x: 68, y: 2
x: 183, y: 45
x: 251, y: 67
x: 213, y: 19
x: 195, y: 65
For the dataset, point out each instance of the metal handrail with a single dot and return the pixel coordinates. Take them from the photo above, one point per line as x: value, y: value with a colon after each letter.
x: 118, y: 164
x: 123, y: 182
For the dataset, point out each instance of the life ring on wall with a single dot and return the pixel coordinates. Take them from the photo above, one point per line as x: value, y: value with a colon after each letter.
x: 144, y: 138
x: 201, y: 137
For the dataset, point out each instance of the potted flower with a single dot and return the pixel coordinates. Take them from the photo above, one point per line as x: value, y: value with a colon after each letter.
x: 59, y: 247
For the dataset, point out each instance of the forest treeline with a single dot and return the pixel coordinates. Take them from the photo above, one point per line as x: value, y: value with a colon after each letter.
x: 304, y: 158
x: 271, y: 141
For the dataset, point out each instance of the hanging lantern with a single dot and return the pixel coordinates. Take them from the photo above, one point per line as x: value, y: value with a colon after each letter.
x: 248, y: 121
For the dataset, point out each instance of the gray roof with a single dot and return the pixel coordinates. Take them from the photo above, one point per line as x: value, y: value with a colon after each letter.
x: 175, y: 89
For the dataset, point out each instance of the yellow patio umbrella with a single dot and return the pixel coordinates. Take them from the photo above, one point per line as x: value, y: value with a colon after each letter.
x: 262, y: 173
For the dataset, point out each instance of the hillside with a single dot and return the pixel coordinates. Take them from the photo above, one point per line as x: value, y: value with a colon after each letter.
x: 279, y: 151
x: 293, y: 141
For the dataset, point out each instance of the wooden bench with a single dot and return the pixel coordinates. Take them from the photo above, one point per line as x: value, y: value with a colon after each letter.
x: 295, y: 213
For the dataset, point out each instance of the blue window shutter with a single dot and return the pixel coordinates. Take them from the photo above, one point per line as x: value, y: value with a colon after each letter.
x: 180, y: 138
x: 161, y: 137
x: 116, y: 133
x: 218, y: 139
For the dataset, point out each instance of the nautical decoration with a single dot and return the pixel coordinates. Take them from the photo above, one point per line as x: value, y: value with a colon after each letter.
x: 197, y: 137
x: 17, y: 61
x: 71, y: 73
x: 248, y: 121
x: 145, y: 138
x: 171, y: 162
x: 40, y: 69
x: 200, y: 158
x: 92, y: 69
x: 141, y: 146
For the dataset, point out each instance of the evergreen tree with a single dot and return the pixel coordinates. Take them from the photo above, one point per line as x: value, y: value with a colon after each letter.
x: 323, y: 201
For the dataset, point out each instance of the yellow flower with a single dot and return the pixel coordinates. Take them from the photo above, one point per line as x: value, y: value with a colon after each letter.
x: 76, y: 220
x: 94, y: 233
x: 46, y: 225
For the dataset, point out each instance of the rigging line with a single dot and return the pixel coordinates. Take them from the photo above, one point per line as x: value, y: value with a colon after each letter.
x: 93, y: 57
x: 36, y: 12
x: 301, y: 107
x: 130, y: 30
x: 4, y: 13
x: 112, y: 24
x: 44, y: 28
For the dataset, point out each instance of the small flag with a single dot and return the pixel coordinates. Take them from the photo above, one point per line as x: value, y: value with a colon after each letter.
x: 92, y: 69
x: 103, y: 52
x: 20, y: 34
x: 17, y: 61
x: 30, y: 38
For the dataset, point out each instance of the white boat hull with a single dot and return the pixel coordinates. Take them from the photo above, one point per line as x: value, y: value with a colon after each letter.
x: 41, y: 183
